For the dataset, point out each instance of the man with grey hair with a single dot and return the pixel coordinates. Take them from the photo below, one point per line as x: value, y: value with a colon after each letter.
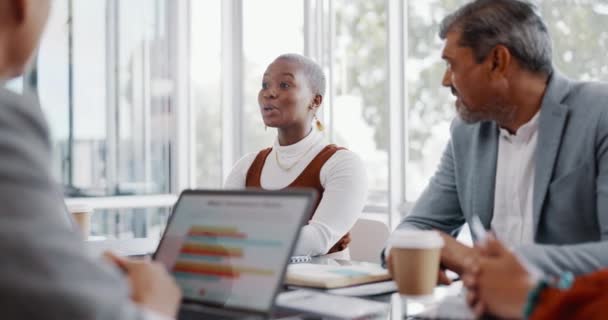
x: 528, y: 153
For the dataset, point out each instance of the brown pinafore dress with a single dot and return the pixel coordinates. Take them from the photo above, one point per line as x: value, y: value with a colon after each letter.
x: 309, y: 178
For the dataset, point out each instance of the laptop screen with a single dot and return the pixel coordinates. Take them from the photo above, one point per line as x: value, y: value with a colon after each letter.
x: 230, y: 248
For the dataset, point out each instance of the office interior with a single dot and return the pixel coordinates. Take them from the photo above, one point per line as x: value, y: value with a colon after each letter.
x: 146, y: 98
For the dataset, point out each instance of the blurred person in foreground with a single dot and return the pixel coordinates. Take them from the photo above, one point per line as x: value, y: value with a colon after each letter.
x: 46, y: 273
x: 499, y: 284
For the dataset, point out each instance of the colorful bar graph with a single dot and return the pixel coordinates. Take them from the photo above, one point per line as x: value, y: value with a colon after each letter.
x: 211, y: 250
x: 185, y: 256
x: 219, y: 269
x: 205, y: 269
x: 198, y: 277
x: 206, y: 248
x: 233, y: 242
x: 217, y: 232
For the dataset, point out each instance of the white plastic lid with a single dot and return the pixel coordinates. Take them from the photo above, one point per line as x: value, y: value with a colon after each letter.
x: 79, y: 208
x: 416, y: 239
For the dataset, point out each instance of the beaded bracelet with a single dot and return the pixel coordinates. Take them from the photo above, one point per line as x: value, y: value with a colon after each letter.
x: 564, y: 282
x: 533, y: 297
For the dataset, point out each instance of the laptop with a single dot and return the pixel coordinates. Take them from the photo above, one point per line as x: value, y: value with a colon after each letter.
x: 228, y: 250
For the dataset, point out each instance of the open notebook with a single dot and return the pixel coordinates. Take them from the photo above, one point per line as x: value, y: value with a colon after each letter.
x: 334, y: 275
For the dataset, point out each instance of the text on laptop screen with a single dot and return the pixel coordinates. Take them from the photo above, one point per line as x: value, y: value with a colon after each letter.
x: 229, y: 250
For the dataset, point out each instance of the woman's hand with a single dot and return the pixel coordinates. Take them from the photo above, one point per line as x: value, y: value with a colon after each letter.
x: 497, y: 282
x: 341, y: 244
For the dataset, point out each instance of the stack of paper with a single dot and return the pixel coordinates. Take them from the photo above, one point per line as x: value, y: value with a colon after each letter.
x: 334, y: 276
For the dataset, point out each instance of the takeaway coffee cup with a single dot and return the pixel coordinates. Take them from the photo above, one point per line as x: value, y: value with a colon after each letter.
x: 415, y: 261
x: 81, y: 213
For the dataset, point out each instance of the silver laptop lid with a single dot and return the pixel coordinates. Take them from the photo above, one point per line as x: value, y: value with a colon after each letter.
x: 230, y: 249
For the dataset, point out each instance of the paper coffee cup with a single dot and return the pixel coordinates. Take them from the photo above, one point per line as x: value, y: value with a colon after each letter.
x: 415, y: 260
x: 81, y: 213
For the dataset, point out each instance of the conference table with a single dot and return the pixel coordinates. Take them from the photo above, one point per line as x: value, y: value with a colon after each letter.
x: 447, y: 302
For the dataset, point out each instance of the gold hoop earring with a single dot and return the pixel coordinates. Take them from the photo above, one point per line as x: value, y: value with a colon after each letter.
x: 318, y: 123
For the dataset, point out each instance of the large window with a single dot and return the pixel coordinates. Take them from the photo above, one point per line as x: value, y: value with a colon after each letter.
x: 270, y: 28
x: 144, y: 108
x: 580, y: 40
x: 53, y: 85
x: 430, y: 106
x: 108, y: 75
x: 104, y: 83
x: 85, y: 161
x: 129, y: 223
x: 360, y: 113
x: 206, y: 92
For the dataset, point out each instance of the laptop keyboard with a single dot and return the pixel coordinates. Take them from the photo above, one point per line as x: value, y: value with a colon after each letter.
x: 210, y: 313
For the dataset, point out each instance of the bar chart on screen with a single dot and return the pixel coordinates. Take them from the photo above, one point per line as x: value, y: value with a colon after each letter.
x: 213, y: 258
x: 228, y: 249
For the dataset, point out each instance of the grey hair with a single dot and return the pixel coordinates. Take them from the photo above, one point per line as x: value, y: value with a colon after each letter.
x: 312, y: 70
x: 512, y: 23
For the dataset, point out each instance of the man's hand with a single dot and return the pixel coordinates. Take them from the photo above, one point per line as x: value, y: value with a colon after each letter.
x: 496, y: 281
x: 151, y: 286
x: 442, y: 277
x: 454, y: 254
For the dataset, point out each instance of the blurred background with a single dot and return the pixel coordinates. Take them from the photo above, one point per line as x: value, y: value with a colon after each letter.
x: 145, y: 98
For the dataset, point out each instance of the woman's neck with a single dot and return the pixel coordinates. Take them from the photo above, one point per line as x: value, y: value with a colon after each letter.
x: 289, y: 136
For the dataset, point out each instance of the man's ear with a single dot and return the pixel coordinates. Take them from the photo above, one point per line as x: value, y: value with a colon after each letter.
x: 501, y: 59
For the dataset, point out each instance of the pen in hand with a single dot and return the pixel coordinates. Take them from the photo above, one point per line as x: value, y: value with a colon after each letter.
x: 481, y: 238
x: 478, y: 230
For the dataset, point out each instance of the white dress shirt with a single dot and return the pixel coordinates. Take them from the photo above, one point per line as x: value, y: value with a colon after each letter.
x: 516, y: 163
x: 343, y: 177
x: 153, y: 315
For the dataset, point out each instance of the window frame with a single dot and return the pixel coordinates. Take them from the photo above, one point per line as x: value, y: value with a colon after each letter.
x: 319, y: 36
x: 182, y: 138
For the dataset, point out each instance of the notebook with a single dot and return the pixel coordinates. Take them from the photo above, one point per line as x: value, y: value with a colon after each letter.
x: 342, y: 273
x: 299, y: 259
x: 218, y: 248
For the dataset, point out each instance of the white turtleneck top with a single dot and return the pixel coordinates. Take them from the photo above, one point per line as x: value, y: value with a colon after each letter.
x: 343, y: 177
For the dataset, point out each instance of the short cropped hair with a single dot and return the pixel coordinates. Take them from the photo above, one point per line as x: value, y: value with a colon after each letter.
x: 512, y: 23
x: 312, y: 71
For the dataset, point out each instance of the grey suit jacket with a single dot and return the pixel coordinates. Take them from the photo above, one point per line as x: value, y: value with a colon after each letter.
x: 44, y: 273
x: 570, y: 198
